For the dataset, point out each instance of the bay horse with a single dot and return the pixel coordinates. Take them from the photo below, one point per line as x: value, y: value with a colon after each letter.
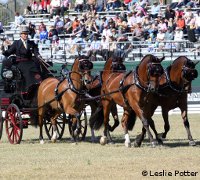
x: 130, y: 90
x: 94, y: 90
x: 56, y: 97
x: 175, y: 84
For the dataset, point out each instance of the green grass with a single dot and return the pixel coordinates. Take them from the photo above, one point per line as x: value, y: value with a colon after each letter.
x: 65, y: 160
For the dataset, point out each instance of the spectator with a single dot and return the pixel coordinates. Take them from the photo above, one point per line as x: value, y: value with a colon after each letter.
x: 55, y: 7
x: 52, y: 32
x: 64, y: 7
x: 181, y: 23
x: 197, y: 24
x: 171, y: 24
x: 19, y: 20
x: 104, y: 48
x: 160, y: 40
x: 191, y: 29
x: 107, y: 32
x: 90, y: 5
x: 43, y: 35
x: 45, y: 4
x: 132, y: 20
x: 34, y: 7
x: 79, y: 5
x: 95, y: 48
x: 103, y: 24
x: 59, y: 24
x: 138, y: 33
x: 162, y: 25
x: 155, y: 10
x: 31, y: 29
x: 169, y: 13
x: 55, y: 45
x: 100, y: 5
x: 75, y: 24
x: 41, y: 26
x: 1, y: 27
x: 178, y: 37
x: 37, y: 36
x: 146, y: 24
x: 67, y: 25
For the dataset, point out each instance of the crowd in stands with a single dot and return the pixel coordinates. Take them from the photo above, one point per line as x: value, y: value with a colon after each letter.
x: 179, y: 20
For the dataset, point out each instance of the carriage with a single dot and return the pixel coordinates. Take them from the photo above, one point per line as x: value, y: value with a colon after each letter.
x: 19, y: 109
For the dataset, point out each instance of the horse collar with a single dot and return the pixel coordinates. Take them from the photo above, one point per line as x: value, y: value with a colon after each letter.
x: 137, y: 81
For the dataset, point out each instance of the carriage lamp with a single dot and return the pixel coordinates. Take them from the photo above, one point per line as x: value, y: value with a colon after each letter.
x: 8, y: 74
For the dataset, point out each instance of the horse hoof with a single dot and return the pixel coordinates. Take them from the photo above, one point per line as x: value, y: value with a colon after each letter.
x: 192, y: 143
x: 103, y: 140
x: 162, y: 135
x: 160, y: 142
x: 137, y: 144
x: 111, y: 142
x: 153, y: 144
x: 53, y: 140
x: 127, y: 144
x: 41, y: 141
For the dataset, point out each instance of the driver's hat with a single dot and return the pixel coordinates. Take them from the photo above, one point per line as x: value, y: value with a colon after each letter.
x: 24, y: 30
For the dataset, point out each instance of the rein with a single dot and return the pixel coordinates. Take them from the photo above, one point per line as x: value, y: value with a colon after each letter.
x: 137, y: 81
x: 171, y: 85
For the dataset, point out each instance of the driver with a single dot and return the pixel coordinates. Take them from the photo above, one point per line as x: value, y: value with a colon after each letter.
x: 28, y: 64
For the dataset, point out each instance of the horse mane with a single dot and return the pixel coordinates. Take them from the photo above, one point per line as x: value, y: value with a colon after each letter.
x: 145, y: 57
x: 75, y: 65
x: 176, y: 62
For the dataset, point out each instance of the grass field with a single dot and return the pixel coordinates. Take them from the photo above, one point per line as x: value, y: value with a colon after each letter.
x: 65, y: 160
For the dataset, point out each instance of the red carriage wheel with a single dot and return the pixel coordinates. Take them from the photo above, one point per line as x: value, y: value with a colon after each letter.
x: 14, y: 124
x: 83, y: 123
x: 60, y: 126
x: 1, y: 123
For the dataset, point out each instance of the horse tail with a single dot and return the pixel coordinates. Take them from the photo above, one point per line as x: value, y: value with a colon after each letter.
x: 96, y: 119
x: 131, y: 120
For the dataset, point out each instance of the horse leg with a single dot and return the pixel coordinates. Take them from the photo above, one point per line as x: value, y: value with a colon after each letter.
x: 40, y: 119
x: 106, y: 134
x: 115, y: 117
x: 124, y: 125
x: 187, y: 127
x: 145, y: 123
x: 93, y: 138
x: 53, y: 122
x: 152, y: 125
x: 139, y: 138
x: 93, y: 109
x: 78, y: 126
x: 166, y: 125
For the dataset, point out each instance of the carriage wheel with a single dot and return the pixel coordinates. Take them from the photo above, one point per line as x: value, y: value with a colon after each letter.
x: 1, y: 123
x: 83, y: 123
x: 14, y: 124
x: 60, y: 125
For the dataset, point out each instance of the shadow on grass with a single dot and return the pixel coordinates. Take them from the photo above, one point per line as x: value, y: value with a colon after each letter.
x: 171, y: 143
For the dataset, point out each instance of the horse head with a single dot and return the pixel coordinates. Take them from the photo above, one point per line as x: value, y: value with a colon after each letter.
x: 182, y: 72
x: 188, y: 71
x: 85, y: 67
x: 149, y: 72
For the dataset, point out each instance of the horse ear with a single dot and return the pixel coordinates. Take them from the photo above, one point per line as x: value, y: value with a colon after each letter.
x: 161, y: 59
x: 195, y: 63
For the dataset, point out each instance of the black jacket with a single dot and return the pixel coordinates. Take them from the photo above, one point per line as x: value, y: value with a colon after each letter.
x: 20, y: 51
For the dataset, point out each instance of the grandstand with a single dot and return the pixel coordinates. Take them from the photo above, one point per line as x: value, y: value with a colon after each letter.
x: 139, y: 48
